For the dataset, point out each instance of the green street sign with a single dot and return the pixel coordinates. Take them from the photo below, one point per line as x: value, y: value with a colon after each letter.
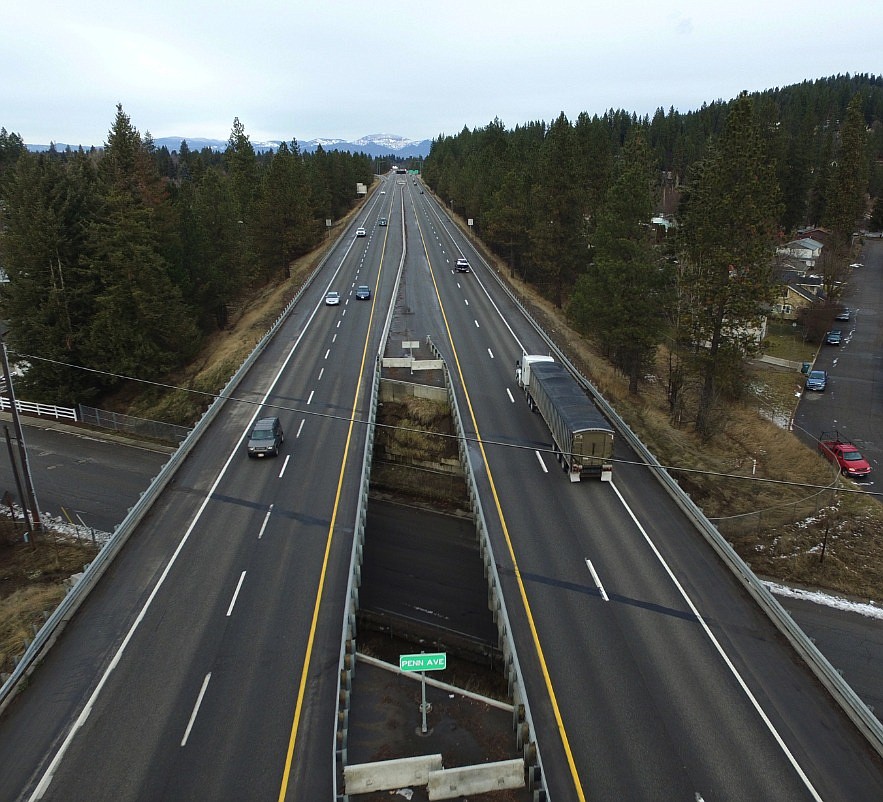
x: 423, y: 662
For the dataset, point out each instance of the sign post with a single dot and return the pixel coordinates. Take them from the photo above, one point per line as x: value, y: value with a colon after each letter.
x: 423, y: 662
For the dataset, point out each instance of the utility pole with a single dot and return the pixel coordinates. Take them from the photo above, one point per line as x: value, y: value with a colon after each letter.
x: 19, y: 434
x: 21, y: 494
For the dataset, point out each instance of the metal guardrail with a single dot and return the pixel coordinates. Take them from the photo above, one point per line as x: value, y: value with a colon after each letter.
x: 522, y: 716
x: 858, y: 712
x: 52, y: 628
x: 347, y: 657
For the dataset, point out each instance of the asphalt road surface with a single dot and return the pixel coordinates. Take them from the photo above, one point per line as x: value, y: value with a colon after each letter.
x: 853, y: 401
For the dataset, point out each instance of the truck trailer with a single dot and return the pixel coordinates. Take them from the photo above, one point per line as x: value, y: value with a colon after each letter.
x: 581, y: 435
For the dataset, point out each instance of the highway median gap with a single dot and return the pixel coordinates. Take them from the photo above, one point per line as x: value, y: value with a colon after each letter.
x: 423, y: 587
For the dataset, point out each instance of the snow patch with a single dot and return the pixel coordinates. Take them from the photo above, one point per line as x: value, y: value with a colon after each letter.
x: 869, y: 609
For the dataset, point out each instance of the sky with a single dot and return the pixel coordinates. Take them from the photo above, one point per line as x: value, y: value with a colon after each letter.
x: 307, y: 70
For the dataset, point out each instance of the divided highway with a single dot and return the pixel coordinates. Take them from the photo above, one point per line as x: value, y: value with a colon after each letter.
x: 204, y: 665
x: 650, y: 672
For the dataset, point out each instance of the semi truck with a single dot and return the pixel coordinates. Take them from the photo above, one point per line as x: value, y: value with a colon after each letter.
x: 581, y: 436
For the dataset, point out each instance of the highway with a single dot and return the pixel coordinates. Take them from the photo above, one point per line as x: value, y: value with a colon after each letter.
x: 204, y: 665
x: 211, y: 645
x: 660, y: 679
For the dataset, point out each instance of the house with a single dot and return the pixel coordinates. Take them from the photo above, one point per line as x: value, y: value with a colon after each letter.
x: 799, y: 291
x: 807, y: 250
x: 814, y: 232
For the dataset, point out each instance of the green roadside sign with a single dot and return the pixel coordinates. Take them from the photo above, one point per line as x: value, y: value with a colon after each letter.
x: 423, y: 662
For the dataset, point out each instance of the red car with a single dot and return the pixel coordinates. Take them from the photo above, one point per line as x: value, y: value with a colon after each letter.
x: 846, y: 455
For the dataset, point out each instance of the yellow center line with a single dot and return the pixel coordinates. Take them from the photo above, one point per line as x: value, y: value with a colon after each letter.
x: 533, y: 628
x: 298, y: 708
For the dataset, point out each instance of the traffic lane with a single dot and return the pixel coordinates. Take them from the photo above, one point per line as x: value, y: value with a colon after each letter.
x: 95, y: 478
x: 99, y: 633
x: 827, y: 746
x: 484, y: 385
x: 853, y: 644
x: 498, y: 417
x: 35, y: 722
x: 267, y: 572
x: 671, y: 713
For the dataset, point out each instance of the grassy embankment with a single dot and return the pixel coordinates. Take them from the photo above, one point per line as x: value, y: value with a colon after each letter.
x: 778, y: 526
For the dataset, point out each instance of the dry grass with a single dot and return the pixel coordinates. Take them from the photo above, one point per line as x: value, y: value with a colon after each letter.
x: 778, y: 525
x: 32, y: 584
x: 777, y: 528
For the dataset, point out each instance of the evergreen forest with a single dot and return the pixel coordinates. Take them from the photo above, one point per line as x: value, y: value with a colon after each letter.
x: 567, y: 206
x: 123, y: 259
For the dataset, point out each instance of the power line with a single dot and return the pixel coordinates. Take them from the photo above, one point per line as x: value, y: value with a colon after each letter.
x: 474, y: 440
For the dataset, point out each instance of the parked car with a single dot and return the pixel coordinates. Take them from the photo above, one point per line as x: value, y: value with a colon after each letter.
x: 360, y: 232
x: 844, y: 314
x: 462, y: 265
x: 817, y: 380
x: 845, y: 454
x: 363, y: 292
x: 835, y: 337
x: 332, y: 298
x: 266, y: 438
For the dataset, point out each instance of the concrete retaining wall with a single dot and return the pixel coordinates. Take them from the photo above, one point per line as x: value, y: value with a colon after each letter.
x: 387, y: 775
x: 468, y: 780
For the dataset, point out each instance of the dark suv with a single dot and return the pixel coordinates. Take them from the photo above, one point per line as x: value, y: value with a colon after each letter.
x: 266, y: 437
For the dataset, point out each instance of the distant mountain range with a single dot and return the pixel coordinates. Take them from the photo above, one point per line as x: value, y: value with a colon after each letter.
x: 372, y: 145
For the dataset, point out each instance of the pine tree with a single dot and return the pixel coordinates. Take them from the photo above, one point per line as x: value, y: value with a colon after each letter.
x: 284, y: 227
x: 849, y: 180
x: 49, y: 299
x: 558, y: 246
x: 728, y: 229
x: 141, y: 325
x: 622, y: 301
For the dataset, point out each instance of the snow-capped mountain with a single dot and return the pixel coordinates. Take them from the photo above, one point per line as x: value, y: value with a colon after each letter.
x: 372, y: 144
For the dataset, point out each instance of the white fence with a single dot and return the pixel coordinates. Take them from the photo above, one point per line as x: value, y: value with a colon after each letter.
x: 43, y: 410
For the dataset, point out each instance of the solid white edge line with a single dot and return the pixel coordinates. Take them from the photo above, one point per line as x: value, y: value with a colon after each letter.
x: 190, y: 723
x: 540, y: 460
x: 597, y: 579
x: 46, y: 779
x: 236, y: 593
x: 745, y: 689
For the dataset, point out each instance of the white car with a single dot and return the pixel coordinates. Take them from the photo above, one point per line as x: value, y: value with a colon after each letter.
x: 332, y: 298
x: 360, y: 232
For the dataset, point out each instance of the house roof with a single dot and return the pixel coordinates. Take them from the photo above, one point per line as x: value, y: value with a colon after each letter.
x: 806, y: 242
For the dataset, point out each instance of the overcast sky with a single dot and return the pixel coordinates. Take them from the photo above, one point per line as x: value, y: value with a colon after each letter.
x: 346, y: 69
